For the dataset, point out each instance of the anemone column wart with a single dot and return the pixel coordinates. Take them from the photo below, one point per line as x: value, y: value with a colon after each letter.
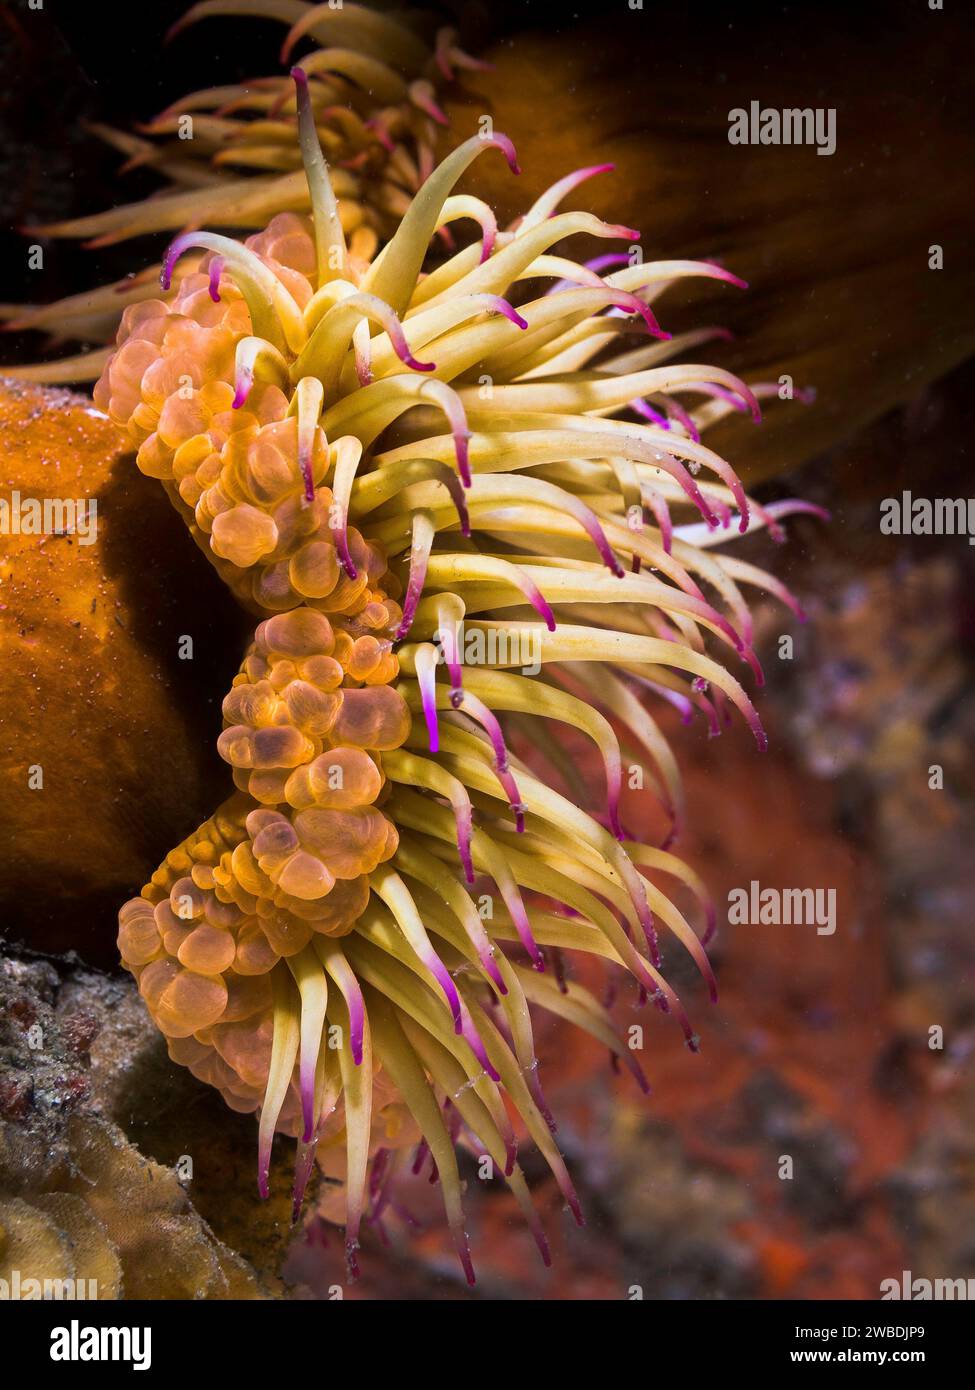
x: 312, y: 950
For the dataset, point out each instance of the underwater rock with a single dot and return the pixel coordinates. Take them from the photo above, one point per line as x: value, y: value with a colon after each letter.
x: 78, y: 1200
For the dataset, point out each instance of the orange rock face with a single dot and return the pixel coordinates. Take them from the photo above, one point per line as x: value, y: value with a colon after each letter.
x: 117, y: 642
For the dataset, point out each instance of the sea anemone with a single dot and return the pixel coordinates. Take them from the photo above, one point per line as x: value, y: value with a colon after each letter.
x: 373, y: 89
x: 421, y: 488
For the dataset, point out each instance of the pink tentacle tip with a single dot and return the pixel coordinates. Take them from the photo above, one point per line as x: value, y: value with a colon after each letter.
x: 506, y: 146
x: 681, y: 415
x: 216, y: 270
x: 494, y: 974
x: 352, y: 1258
x: 309, y: 493
x: 432, y: 109
x: 501, y: 306
x: 520, y: 918
x: 641, y: 407
x: 635, y: 305
x: 607, y: 260
x: 342, y: 545
x: 382, y: 135
x: 541, y: 607
x: 358, y: 1028
x: 723, y: 274
x: 639, y: 1076
x: 263, y: 1171
x: 464, y: 1254
x: 796, y: 507
x: 442, y: 975
x: 173, y: 253
x: 430, y: 716
x: 461, y: 449
x: 244, y: 385
x: 624, y: 233
x: 598, y: 537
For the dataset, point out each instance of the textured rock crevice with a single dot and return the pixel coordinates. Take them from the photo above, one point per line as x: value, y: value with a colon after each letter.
x: 82, y: 1074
